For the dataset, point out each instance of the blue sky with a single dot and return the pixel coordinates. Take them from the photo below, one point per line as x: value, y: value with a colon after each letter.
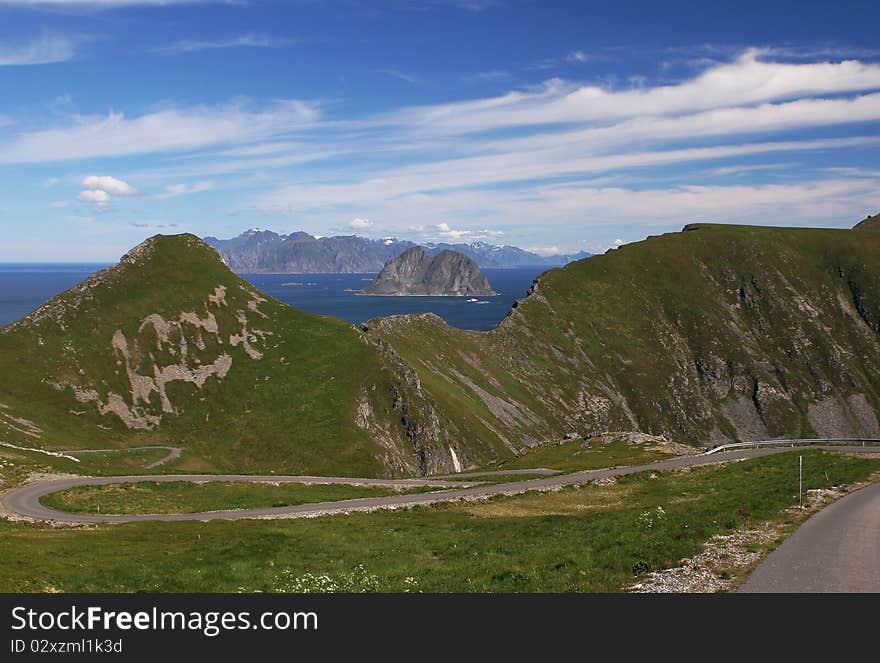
x: 551, y: 126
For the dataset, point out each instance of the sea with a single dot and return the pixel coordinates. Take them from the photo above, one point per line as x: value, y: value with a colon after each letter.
x: 24, y: 287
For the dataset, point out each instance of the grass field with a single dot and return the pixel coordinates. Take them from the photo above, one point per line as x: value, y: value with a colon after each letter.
x: 572, y: 455
x: 186, y: 497
x: 593, y: 538
x: 17, y: 464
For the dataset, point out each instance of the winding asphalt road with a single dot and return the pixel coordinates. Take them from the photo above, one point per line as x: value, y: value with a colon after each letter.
x: 25, y: 501
x: 836, y: 550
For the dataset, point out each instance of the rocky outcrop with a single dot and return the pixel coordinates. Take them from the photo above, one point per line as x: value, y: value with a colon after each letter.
x: 433, y: 444
x: 416, y: 274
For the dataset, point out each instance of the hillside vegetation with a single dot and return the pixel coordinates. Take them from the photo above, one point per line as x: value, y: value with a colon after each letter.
x: 170, y: 347
x: 716, y: 334
x: 712, y: 335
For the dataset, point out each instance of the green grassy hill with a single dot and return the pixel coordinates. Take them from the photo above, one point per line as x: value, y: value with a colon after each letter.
x: 170, y: 347
x: 716, y: 334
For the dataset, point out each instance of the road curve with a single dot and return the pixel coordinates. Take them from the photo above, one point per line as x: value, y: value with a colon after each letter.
x: 25, y: 500
x: 835, y: 550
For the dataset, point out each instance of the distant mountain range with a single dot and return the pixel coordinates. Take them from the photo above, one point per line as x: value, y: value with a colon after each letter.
x: 264, y: 251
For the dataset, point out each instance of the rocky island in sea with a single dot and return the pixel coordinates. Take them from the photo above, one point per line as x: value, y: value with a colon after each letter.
x: 416, y: 274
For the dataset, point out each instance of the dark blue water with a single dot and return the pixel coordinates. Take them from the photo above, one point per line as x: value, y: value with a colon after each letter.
x: 337, y: 295
x: 24, y: 287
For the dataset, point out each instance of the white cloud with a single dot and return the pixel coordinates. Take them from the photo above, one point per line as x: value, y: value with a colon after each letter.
x: 576, y: 56
x: 99, y: 190
x: 741, y: 169
x: 763, y: 204
x: 168, y: 130
x: 596, y: 131
x: 242, y: 41
x: 516, y: 166
x: 443, y: 231
x: 544, y: 250
x: 95, y: 196
x: 110, y: 185
x: 59, y: 204
x: 747, y: 80
x: 360, y: 224
x: 45, y: 49
x: 467, y: 169
x: 176, y: 190
x: 561, y: 213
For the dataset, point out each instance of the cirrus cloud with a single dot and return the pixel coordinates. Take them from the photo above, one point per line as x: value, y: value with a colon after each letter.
x: 48, y: 48
x: 242, y: 41
x: 175, y: 190
x: 169, y: 130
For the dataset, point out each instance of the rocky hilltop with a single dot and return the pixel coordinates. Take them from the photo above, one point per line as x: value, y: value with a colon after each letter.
x: 263, y: 251
x: 415, y: 273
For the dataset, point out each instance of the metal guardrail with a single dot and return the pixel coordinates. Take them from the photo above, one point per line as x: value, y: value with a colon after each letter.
x: 775, y: 443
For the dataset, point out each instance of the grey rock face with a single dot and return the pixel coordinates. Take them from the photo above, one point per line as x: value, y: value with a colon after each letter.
x: 415, y: 273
